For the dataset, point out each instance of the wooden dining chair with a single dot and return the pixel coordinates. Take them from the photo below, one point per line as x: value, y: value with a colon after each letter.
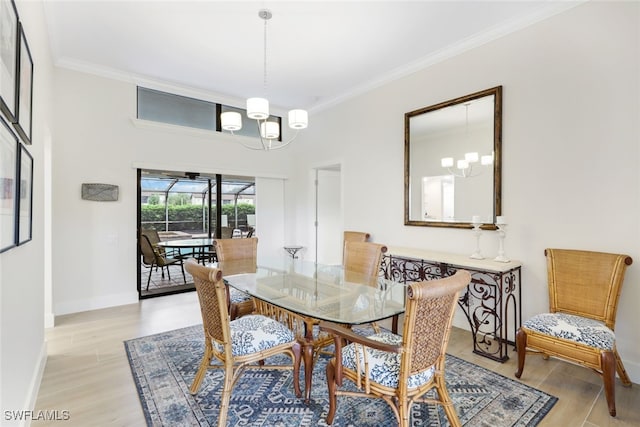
x: 363, y: 258
x: 584, y: 288
x: 243, y: 343
x: 353, y: 236
x: 362, y: 265
x: 232, y: 250
x: 400, y: 369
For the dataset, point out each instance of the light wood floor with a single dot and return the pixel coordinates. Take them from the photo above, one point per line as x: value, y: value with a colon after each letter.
x: 87, y: 371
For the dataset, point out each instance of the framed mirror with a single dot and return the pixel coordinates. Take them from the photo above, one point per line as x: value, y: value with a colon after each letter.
x: 452, y: 162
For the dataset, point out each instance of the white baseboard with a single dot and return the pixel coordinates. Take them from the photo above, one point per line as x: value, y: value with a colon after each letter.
x: 633, y: 369
x: 34, y: 388
x: 76, y: 306
x: 49, y: 320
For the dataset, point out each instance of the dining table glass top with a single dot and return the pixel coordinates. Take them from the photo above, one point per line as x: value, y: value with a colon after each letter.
x: 186, y: 243
x: 323, y: 292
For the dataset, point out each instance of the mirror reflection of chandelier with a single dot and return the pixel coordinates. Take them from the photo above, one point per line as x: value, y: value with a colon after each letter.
x: 465, y: 165
x: 258, y: 109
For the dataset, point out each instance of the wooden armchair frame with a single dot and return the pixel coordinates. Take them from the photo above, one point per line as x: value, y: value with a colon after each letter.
x: 237, y: 249
x: 362, y: 264
x: 584, y: 286
x: 213, y: 298
x: 421, y: 351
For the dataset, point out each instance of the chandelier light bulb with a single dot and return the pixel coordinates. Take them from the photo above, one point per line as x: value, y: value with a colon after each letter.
x: 269, y: 130
x: 257, y: 108
x: 231, y: 121
x: 471, y: 157
x: 486, y: 159
x: 447, y: 162
x: 298, y: 119
x: 463, y: 164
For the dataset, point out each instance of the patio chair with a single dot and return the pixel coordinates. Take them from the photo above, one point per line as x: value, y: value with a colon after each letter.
x: 237, y: 344
x: 584, y: 288
x: 154, y: 238
x: 153, y: 257
x: 227, y: 232
x: 400, y: 369
x: 231, y: 250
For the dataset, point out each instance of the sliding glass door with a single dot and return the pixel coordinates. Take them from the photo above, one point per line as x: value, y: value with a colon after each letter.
x: 185, y: 206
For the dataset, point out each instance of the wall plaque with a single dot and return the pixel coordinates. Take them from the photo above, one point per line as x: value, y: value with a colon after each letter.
x: 100, y: 192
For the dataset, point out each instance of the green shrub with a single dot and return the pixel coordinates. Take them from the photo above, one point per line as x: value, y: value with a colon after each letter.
x: 189, y: 217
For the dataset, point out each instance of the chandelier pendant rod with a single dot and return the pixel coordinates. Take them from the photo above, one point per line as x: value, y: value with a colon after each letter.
x: 265, y: 15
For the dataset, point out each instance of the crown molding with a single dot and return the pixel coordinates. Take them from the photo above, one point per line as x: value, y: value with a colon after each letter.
x: 553, y: 8
x: 450, y: 51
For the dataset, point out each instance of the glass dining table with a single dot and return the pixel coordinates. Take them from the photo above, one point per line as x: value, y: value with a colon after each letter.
x: 197, y: 248
x: 289, y: 288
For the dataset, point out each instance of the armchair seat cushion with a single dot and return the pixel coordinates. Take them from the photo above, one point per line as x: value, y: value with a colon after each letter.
x: 578, y: 329
x: 254, y: 333
x: 237, y: 296
x: 384, y: 367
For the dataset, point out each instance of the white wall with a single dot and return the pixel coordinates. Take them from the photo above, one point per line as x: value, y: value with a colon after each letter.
x: 570, y: 149
x: 94, y: 256
x: 22, y: 269
x: 270, y: 217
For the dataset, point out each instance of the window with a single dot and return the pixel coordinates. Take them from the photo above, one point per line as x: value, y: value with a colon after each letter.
x: 175, y: 109
x: 163, y: 107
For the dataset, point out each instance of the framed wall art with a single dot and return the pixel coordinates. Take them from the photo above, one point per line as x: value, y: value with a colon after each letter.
x: 25, y: 88
x: 25, y: 201
x: 8, y: 58
x: 9, y: 146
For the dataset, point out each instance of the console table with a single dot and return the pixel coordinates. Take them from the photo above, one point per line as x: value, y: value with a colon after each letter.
x: 492, y: 299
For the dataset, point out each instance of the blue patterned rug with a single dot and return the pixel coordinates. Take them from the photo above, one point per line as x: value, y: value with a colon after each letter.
x: 164, y: 365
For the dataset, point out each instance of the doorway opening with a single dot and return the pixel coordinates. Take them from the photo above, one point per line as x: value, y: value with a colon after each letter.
x: 328, y: 215
x: 187, y: 206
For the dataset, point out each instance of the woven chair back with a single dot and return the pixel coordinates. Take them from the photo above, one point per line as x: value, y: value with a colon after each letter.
x: 213, y: 299
x: 353, y: 236
x: 356, y: 236
x: 363, y: 258
x: 586, y: 283
x: 232, y: 249
x: 427, y: 323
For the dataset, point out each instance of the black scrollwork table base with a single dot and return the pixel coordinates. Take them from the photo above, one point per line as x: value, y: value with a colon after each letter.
x: 491, y: 302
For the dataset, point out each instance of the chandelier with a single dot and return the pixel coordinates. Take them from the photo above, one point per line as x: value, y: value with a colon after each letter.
x: 258, y: 110
x: 465, y: 165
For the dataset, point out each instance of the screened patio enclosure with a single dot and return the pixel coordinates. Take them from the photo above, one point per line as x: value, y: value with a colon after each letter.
x: 199, y: 205
x: 186, y: 205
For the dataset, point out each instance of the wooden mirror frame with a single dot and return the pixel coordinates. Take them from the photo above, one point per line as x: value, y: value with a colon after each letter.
x: 497, y: 163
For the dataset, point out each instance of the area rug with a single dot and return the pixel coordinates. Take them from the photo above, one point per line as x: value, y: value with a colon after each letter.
x: 163, y: 367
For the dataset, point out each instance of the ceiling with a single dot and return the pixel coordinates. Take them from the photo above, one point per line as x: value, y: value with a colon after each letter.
x: 318, y: 52
x: 193, y: 182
